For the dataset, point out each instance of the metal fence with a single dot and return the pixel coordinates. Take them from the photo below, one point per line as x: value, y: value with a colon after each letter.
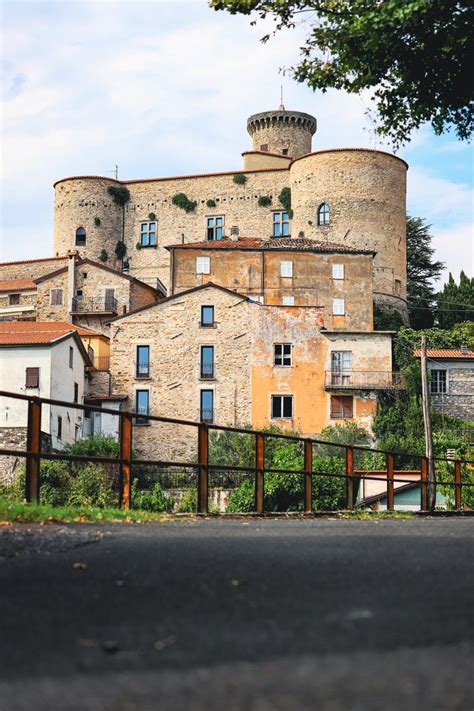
x: 203, y: 468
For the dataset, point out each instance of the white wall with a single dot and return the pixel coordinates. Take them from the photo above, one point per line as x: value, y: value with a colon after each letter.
x: 62, y: 388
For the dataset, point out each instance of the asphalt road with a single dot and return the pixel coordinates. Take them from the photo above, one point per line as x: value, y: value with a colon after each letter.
x: 331, y: 615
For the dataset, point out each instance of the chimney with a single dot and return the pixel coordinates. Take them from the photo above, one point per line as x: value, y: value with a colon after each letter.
x: 234, y: 233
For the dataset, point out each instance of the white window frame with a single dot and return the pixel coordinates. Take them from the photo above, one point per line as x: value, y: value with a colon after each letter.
x: 282, y: 416
x: 59, y: 291
x: 258, y: 298
x: 288, y: 301
x: 146, y: 233
x: 435, y: 381
x: 203, y: 265
x: 338, y: 271
x: 338, y: 307
x: 216, y: 229
x: 281, y: 355
x: 286, y: 268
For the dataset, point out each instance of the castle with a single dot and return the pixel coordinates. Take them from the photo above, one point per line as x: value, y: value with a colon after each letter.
x: 238, y: 298
x: 352, y: 197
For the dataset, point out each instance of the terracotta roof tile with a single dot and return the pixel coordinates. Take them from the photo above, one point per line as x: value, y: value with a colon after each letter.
x: 283, y: 244
x: 17, y: 285
x: 32, y: 261
x: 37, y: 332
x: 447, y: 353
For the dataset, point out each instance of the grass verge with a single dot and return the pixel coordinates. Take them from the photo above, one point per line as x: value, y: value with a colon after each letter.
x: 30, y: 513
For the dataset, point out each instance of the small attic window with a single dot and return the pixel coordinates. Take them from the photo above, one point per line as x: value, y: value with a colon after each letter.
x: 284, y: 151
x: 264, y: 147
x: 80, y: 237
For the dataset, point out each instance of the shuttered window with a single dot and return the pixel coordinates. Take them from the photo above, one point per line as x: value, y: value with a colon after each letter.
x: 342, y: 407
x: 32, y: 377
x: 56, y: 297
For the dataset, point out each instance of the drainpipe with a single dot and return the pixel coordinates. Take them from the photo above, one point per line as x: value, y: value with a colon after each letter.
x: 71, y: 269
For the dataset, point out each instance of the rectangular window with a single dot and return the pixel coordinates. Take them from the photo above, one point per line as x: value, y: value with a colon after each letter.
x: 207, y: 316
x: 282, y: 354
x: 109, y: 300
x: 341, y: 367
x: 288, y: 301
x: 338, y: 271
x: 76, y: 392
x: 438, y: 382
x: 60, y: 428
x: 32, y: 378
x: 256, y: 297
x: 71, y: 356
x: 207, y: 362
x: 14, y: 299
x: 342, y: 407
x: 282, y: 407
x: 56, y: 297
x: 143, y: 362
x: 207, y: 406
x: 142, y: 406
x: 281, y: 224
x: 203, y: 265
x: 148, y: 234
x: 286, y: 269
x: 215, y: 227
x: 338, y: 307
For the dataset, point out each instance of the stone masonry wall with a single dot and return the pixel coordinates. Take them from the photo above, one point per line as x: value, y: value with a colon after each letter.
x: 15, y: 438
x: 173, y: 332
x: 459, y: 400
x: 31, y: 269
x: 45, y: 311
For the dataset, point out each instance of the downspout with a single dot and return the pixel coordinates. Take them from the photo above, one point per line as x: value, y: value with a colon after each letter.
x: 71, y: 269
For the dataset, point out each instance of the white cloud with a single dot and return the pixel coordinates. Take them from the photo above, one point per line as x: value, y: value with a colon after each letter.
x: 454, y: 246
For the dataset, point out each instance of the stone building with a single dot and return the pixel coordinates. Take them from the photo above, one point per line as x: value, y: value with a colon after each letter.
x: 209, y: 353
x: 350, y: 197
x: 451, y: 375
x: 74, y: 288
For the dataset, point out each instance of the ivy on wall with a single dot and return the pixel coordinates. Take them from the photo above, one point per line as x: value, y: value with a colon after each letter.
x: 103, y: 256
x: 211, y: 203
x: 264, y: 200
x: 120, y: 249
x: 120, y: 195
x: 239, y: 179
x: 151, y: 216
x: 97, y: 221
x: 181, y: 200
x: 285, y: 200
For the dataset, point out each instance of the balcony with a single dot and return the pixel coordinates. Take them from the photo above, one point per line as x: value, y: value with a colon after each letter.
x: 207, y: 371
x: 95, y: 305
x: 101, y: 362
x: 363, y: 380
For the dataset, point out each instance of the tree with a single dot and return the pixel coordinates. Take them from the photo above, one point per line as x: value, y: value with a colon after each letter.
x: 421, y: 270
x: 413, y: 55
x: 456, y: 301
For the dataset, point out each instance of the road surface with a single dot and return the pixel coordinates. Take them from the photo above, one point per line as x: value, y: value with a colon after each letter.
x: 324, y: 614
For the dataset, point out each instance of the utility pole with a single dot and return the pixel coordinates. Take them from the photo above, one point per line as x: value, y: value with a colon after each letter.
x: 431, y: 486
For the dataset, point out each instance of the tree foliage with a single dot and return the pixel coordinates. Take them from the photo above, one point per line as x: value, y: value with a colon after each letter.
x: 414, y: 56
x: 456, y: 301
x: 421, y: 270
x: 120, y: 194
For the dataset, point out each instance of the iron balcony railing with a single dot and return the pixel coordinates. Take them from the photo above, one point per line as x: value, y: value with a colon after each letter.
x: 207, y: 415
x: 96, y: 304
x: 142, y: 370
x: 207, y: 371
x: 363, y: 379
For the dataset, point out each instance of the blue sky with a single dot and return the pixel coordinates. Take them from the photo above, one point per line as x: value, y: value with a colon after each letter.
x: 164, y: 88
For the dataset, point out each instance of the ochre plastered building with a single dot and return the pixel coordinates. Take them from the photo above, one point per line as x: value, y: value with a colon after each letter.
x: 351, y: 197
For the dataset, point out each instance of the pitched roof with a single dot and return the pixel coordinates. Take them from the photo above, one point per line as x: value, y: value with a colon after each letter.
x: 446, y: 353
x: 17, y: 285
x: 99, y: 265
x: 208, y: 284
x: 32, y: 261
x: 296, y: 244
x: 31, y: 333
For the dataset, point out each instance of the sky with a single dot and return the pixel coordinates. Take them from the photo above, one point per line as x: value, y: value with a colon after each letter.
x: 165, y: 88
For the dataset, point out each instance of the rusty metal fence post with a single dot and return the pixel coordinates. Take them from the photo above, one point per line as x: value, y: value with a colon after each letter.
x: 390, y: 488
x: 203, y: 468
x: 33, y: 447
x: 349, y: 478
x: 259, y: 476
x: 424, y: 483
x: 125, y: 471
x: 457, y: 485
x: 308, y: 476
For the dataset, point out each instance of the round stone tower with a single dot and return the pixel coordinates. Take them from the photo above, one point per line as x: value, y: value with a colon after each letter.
x: 356, y: 197
x: 287, y: 133
x: 86, y: 218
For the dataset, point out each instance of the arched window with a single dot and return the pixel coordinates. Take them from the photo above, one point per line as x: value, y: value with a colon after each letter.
x: 80, y: 237
x: 323, y: 214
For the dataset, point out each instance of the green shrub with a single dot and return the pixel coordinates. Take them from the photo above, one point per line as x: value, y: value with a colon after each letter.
x: 103, y: 256
x: 155, y: 500
x: 92, y: 486
x: 188, y: 503
x: 97, y: 221
x: 120, y: 249
x: 211, y: 203
x: 120, y: 194
x: 181, y: 200
x: 98, y: 445
x: 264, y: 200
x: 239, y: 179
x: 151, y: 216
x: 285, y: 199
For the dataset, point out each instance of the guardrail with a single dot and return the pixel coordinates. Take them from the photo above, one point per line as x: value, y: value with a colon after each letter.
x: 34, y: 455
x: 96, y: 304
x: 366, y: 379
